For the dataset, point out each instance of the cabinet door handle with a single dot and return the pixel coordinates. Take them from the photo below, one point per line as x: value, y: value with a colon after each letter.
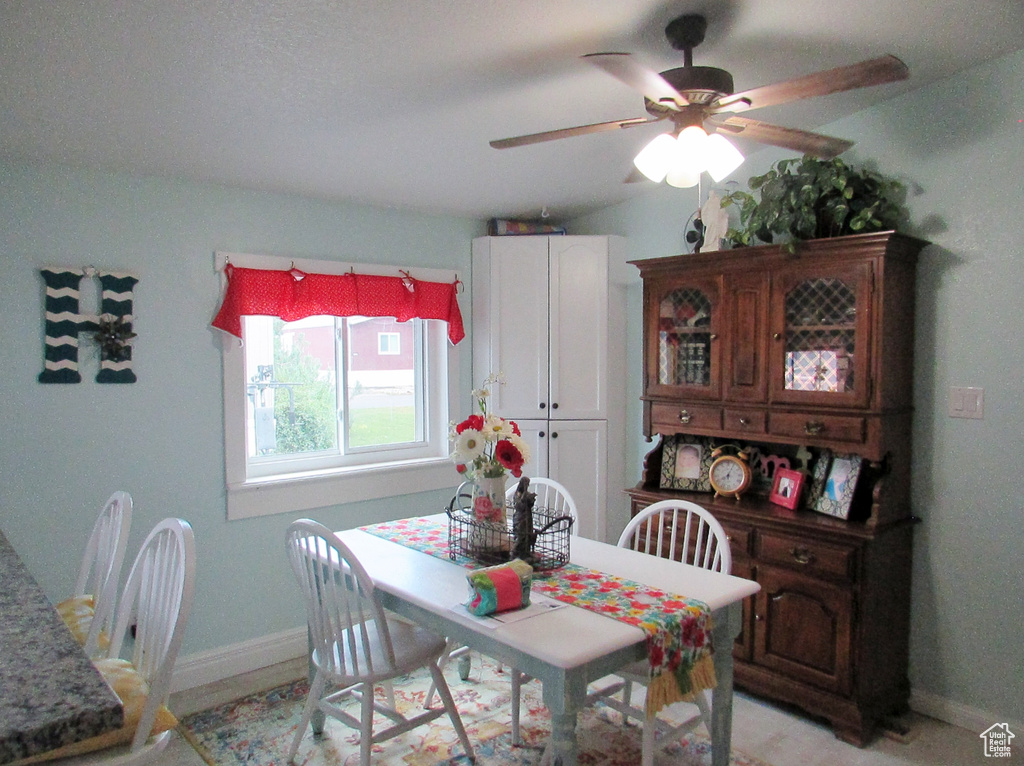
x: 541, y: 434
x: 802, y: 555
x: 744, y: 421
x: 813, y: 427
x: 554, y: 406
x: 758, y: 617
x: 554, y: 434
x: 777, y: 336
x: 684, y: 416
x: 542, y: 405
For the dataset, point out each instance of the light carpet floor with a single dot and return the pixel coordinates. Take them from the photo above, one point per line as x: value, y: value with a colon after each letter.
x: 257, y: 730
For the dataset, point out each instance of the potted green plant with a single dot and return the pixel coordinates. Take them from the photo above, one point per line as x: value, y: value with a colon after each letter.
x: 811, y: 198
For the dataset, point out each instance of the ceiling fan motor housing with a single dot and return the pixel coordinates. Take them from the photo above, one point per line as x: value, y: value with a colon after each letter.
x: 699, y: 84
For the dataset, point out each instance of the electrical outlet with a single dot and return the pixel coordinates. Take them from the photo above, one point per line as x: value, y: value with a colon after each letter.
x: 966, y: 402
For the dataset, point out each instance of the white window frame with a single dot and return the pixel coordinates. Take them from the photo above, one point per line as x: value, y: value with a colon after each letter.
x: 249, y: 497
x: 394, y: 340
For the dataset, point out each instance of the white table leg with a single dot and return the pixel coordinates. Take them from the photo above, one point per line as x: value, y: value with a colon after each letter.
x: 565, y: 696
x: 727, y: 626
x: 563, y: 739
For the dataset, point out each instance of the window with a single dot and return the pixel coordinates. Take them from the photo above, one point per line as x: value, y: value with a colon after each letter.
x: 328, y: 410
x: 388, y: 343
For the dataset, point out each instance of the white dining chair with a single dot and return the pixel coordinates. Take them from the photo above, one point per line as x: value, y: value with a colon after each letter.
x: 89, y: 612
x: 355, y: 645
x: 681, y: 531
x: 153, y: 608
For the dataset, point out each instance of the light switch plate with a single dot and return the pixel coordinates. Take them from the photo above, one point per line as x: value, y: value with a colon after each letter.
x: 966, y: 402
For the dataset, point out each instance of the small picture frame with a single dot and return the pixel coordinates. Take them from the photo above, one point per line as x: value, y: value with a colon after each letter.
x: 786, y: 488
x: 840, y: 483
x: 686, y: 462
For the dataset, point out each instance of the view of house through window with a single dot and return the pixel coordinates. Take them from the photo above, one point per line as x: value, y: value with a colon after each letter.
x: 331, y: 391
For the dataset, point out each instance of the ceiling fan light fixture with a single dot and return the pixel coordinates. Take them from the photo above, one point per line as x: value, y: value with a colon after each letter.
x: 722, y: 156
x: 679, y: 160
x: 655, y: 159
x: 682, y: 177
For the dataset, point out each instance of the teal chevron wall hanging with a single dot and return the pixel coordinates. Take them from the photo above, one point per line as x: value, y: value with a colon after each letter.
x: 65, y: 325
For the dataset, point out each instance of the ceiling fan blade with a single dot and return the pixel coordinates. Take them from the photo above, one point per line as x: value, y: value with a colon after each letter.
x: 625, y: 68
x: 803, y: 141
x: 871, y: 72
x: 580, y: 130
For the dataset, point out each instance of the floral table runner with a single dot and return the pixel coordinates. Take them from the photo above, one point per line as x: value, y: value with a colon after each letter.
x: 678, y: 629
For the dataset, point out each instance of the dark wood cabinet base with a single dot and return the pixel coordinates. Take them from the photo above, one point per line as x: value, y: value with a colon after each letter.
x: 850, y: 721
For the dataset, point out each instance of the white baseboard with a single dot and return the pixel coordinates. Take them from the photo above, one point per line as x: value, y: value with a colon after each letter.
x: 956, y: 713
x: 223, y: 662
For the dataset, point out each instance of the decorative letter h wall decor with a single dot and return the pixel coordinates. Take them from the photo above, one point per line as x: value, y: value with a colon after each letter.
x: 111, y: 330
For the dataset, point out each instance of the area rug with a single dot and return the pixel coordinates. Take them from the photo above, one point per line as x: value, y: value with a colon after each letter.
x: 257, y: 730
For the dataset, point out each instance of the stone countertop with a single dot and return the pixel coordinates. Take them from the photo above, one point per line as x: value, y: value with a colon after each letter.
x: 50, y: 693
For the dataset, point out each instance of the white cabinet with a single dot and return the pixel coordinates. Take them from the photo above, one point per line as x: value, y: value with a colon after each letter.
x: 542, y: 305
x: 545, y: 315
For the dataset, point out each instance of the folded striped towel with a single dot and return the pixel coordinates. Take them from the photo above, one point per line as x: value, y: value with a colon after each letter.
x: 499, y: 588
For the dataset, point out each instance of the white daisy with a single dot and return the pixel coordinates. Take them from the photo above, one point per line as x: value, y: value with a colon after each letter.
x: 497, y: 428
x: 469, y: 445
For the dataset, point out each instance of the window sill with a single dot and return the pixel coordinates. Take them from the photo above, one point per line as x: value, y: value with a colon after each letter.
x: 263, y: 497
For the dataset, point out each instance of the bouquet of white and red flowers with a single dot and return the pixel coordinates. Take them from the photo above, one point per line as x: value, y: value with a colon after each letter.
x: 487, y: 445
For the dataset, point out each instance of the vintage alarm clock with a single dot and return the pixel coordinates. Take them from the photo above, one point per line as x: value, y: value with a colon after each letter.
x: 730, y: 475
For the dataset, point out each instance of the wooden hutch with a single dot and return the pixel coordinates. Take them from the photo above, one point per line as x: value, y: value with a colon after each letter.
x: 828, y: 631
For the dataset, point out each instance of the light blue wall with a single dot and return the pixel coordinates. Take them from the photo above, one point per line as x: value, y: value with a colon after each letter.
x: 65, y: 448
x: 959, y: 145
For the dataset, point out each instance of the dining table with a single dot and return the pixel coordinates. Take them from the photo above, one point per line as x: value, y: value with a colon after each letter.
x: 565, y: 648
x: 50, y: 692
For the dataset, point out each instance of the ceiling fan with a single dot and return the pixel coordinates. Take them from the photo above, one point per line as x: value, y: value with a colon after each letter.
x: 694, y: 96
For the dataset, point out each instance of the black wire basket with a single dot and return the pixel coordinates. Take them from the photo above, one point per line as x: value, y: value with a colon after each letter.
x: 545, y: 547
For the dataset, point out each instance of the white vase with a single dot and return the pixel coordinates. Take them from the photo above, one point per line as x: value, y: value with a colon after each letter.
x: 489, y: 499
x: 489, y: 539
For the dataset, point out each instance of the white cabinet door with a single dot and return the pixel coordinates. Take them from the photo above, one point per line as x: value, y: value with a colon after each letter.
x: 510, y: 322
x: 578, y: 327
x: 573, y: 452
x: 577, y: 457
x: 535, y: 434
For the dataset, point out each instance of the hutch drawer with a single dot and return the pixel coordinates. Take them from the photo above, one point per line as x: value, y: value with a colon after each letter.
x: 806, y: 554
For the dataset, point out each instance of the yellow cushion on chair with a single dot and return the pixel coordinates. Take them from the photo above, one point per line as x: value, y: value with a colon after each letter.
x: 133, y: 691
x: 77, y: 613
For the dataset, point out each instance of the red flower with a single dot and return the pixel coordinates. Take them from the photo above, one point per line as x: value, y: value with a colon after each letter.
x: 506, y: 453
x: 476, y: 422
x: 515, y: 427
x: 461, y: 468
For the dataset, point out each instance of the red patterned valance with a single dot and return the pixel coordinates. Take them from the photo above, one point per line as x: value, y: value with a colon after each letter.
x: 294, y: 294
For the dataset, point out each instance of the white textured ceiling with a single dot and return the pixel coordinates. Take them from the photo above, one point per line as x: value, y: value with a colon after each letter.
x: 393, y: 103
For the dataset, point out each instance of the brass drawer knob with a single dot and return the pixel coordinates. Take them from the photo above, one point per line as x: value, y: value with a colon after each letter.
x: 684, y: 416
x: 802, y: 555
x: 813, y: 427
x: 744, y: 421
x: 777, y: 336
